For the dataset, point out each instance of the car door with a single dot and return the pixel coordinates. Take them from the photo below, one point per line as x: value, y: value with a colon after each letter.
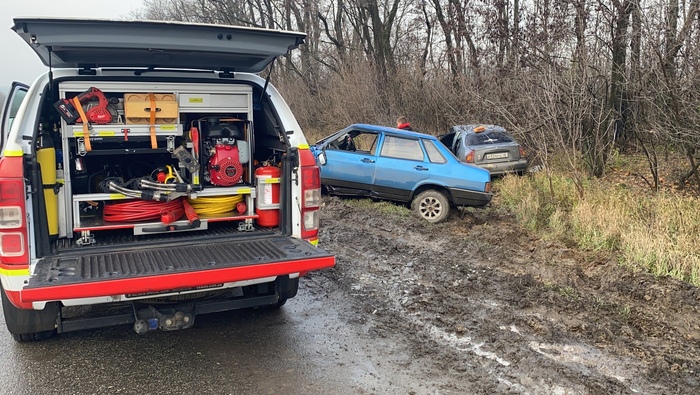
x: 350, y: 162
x: 9, y: 111
x: 401, y: 164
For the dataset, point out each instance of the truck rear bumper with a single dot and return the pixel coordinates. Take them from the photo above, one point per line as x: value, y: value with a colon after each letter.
x: 142, y: 271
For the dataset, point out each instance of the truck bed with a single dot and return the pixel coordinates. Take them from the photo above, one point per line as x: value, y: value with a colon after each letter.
x: 120, y: 239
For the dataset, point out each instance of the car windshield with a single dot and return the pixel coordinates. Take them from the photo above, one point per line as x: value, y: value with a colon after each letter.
x: 488, y: 137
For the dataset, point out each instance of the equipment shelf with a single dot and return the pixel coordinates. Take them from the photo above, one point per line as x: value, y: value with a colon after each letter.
x: 97, y: 224
x: 124, y: 131
x: 93, y: 223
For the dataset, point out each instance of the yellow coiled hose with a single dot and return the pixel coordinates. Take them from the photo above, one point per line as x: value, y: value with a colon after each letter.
x: 215, y: 205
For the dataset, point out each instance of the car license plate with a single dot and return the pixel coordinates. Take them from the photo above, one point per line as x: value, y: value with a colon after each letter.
x: 499, y: 155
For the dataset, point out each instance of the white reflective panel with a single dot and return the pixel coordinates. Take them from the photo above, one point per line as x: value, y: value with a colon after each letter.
x: 312, y: 198
x: 311, y: 220
x: 10, y: 217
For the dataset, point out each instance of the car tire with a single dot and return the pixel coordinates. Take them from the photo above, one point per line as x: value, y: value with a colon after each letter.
x: 431, y: 205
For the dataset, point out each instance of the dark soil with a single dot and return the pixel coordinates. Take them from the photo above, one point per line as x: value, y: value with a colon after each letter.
x: 488, y: 308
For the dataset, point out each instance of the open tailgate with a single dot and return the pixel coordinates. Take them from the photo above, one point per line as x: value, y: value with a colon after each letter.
x: 170, y: 268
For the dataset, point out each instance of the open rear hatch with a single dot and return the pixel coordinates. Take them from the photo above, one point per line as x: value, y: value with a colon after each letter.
x: 77, y: 43
x: 171, y: 267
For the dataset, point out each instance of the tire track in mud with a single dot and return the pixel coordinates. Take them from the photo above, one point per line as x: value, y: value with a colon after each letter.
x: 492, y: 310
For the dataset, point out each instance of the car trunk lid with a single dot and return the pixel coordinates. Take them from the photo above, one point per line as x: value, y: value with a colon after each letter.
x: 497, y: 153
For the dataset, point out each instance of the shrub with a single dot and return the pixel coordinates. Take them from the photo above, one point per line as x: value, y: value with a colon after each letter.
x: 656, y: 232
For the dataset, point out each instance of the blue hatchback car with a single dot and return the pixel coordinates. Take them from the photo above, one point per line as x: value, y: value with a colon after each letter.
x: 393, y: 164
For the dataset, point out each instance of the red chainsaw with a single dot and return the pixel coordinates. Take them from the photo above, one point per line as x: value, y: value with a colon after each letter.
x: 98, y: 114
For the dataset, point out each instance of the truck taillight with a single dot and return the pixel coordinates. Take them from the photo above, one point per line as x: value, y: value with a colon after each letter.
x: 11, y: 244
x: 312, y: 186
x: 311, y: 195
x: 13, y: 227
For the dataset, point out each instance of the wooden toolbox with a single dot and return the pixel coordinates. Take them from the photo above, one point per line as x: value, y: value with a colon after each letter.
x: 139, y: 106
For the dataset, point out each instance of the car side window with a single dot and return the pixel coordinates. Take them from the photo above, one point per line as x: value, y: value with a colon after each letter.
x: 402, y: 148
x: 434, y: 154
x: 475, y: 139
x: 366, y: 142
x: 344, y: 143
x: 355, y: 141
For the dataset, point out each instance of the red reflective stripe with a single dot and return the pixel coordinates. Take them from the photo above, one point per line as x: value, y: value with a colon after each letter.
x: 11, y: 167
x: 172, y: 281
x: 306, y: 158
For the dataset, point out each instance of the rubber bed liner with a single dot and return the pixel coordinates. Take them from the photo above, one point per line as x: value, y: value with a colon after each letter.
x: 171, y: 259
x: 119, y: 239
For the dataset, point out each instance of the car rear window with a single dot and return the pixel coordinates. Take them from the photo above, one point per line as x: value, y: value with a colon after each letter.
x: 488, y: 137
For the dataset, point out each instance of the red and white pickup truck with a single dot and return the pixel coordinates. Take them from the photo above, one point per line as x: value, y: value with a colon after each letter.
x: 149, y: 176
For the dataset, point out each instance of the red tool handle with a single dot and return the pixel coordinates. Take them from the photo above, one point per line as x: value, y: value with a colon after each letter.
x: 194, y: 134
x: 170, y: 216
x: 192, y: 216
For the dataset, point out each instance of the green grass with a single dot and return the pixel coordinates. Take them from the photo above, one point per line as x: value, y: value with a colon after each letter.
x: 658, y: 232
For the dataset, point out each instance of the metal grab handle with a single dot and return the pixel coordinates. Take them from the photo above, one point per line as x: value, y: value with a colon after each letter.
x: 367, y: 160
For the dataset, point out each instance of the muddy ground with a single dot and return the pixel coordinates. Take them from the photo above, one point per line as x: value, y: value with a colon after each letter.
x: 488, y: 308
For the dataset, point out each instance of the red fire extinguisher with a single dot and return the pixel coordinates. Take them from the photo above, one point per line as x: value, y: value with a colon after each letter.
x: 267, y: 197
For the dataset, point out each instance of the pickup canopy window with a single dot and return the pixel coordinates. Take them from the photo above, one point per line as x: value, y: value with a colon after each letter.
x: 10, y: 109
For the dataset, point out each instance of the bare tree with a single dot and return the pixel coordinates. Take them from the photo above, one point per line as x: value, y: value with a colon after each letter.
x: 590, y: 75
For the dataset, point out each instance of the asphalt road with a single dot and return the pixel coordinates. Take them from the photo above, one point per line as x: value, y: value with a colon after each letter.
x: 294, y: 350
x: 307, y: 347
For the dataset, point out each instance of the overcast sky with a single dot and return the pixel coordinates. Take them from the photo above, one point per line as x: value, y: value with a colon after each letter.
x: 19, y: 62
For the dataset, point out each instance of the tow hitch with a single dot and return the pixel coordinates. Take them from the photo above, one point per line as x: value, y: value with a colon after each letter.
x: 166, y: 320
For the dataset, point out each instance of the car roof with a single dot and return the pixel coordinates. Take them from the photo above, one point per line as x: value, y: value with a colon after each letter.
x: 93, y: 43
x: 388, y: 129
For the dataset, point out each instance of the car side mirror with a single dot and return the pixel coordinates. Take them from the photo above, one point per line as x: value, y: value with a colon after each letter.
x: 322, y: 157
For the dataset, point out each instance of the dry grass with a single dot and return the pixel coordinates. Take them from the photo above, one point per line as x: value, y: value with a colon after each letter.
x: 657, y: 232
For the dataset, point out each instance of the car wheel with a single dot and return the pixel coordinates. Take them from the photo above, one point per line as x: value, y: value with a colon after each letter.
x: 432, y: 206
